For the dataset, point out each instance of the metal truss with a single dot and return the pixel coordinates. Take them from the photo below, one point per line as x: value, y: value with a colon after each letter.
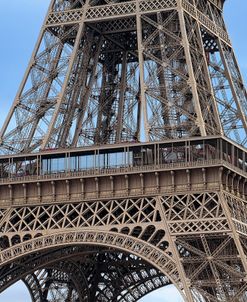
x: 194, y: 241
x: 106, y: 276
x: 115, y: 71
x: 106, y: 72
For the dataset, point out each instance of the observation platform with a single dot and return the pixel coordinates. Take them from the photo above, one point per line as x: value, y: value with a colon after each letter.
x: 128, y: 169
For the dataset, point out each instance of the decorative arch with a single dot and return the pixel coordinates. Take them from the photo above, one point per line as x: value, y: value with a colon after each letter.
x: 154, y: 256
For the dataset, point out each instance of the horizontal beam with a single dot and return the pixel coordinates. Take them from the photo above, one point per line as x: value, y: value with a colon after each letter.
x: 128, y: 9
x: 105, y: 184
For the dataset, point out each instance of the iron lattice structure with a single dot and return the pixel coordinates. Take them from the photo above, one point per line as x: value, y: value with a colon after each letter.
x: 87, y: 212
x: 118, y: 71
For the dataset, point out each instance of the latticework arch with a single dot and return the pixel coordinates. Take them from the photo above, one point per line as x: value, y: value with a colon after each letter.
x: 151, y: 254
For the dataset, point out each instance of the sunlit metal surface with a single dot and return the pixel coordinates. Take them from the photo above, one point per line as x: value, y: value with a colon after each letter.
x: 123, y: 158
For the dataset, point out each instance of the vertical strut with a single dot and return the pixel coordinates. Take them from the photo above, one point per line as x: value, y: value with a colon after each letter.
x: 122, y: 98
x: 216, y: 114
x: 84, y: 99
x: 162, y: 82
x: 79, y: 84
x: 198, y: 109
x: 142, y: 98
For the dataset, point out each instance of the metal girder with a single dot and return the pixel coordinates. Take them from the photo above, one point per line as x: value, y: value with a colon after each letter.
x: 141, y: 68
x: 93, y: 274
x: 192, y: 239
x: 113, y: 72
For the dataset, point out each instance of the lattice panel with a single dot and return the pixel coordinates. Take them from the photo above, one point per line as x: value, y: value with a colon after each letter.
x: 203, y: 226
x: 191, y: 9
x: 195, y: 213
x: 111, y: 10
x: 153, y: 5
x: 206, y: 22
x: 193, y: 206
x: 238, y: 210
x: 86, y: 214
x: 117, y: 25
x: 58, y: 18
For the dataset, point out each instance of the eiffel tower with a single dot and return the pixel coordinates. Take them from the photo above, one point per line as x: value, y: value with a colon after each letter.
x: 123, y: 158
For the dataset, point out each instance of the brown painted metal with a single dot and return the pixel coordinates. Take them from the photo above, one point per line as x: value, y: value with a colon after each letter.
x: 87, y: 212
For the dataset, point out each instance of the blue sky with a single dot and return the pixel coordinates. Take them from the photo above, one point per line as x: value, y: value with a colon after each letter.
x: 20, y: 22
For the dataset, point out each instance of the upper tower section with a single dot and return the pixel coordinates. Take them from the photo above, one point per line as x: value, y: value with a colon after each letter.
x: 117, y: 71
